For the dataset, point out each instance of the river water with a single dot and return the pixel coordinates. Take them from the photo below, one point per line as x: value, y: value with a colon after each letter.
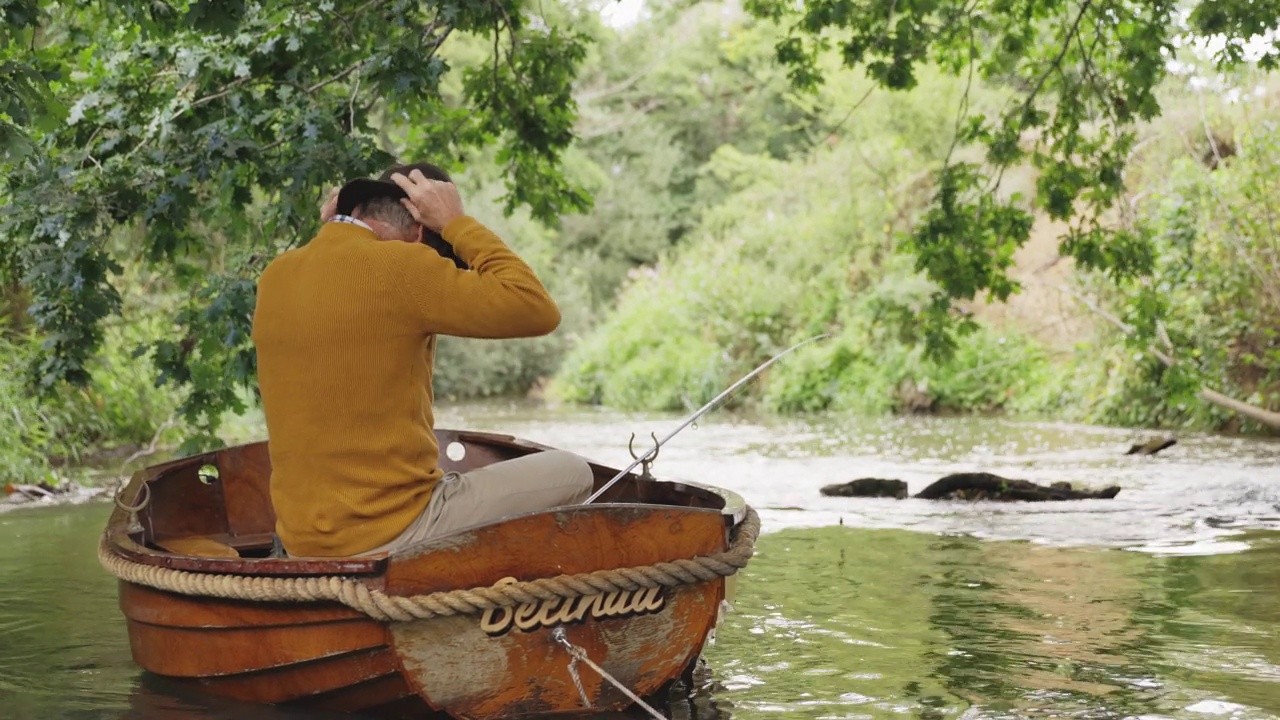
x: 1161, y: 603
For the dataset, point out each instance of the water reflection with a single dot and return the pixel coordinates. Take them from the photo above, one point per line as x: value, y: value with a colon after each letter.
x: 833, y: 622
x: 838, y: 621
x: 850, y: 623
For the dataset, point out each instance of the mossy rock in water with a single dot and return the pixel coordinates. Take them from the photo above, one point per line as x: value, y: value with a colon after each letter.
x: 1151, y: 447
x: 867, y: 487
x: 985, y: 486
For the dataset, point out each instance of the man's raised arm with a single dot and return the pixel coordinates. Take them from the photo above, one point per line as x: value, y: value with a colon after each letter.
x: 499, y: 297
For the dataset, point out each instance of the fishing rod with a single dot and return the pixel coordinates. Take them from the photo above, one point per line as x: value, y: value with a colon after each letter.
x: 701, y: 411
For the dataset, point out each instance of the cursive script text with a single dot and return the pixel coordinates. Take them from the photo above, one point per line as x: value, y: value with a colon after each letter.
x: 562, y: 611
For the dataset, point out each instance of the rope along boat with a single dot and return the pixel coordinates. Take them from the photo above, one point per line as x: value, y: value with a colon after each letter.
x: 487, y: 622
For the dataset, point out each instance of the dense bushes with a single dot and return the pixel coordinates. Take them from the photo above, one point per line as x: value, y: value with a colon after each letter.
x: 120, y: 407
x: 791, y: 250
x: 1213, y: 301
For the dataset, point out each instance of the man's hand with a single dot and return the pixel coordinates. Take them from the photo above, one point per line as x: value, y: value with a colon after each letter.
x: 330, y: 206
x: 431, y: 202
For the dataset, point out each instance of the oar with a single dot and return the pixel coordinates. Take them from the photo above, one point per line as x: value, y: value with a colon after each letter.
x: 701, y: 411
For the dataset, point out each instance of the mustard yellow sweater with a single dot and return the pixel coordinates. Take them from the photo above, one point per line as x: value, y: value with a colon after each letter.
x: 345, y: 334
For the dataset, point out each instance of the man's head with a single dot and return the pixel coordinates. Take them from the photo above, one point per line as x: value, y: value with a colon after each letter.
x: 375, y: 198
x: 389, y: 219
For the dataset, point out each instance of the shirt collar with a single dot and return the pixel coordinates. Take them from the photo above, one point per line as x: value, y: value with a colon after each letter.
x: 350, y: 220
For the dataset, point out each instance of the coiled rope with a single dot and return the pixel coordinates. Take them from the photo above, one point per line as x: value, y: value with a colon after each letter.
x: 391, y: 608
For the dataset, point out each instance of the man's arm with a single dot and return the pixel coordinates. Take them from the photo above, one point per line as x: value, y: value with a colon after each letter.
x: 500, y: 297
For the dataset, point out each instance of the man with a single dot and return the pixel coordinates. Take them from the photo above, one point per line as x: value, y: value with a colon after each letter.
x: 345, y: 333
x: 429, y: 237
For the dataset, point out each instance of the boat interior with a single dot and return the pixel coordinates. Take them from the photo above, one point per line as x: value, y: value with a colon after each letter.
x: 212, y: 512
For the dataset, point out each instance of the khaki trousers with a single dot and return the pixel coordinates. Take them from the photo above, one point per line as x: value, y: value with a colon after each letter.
x: 539, y: 481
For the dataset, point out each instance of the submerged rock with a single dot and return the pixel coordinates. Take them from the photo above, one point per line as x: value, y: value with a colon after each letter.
x: 867, y: 487
x: 1151, y: 447
x: 986, y: 486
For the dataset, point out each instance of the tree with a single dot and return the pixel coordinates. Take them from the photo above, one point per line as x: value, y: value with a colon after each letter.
x: 209, y: 131
x: 1083, y: 75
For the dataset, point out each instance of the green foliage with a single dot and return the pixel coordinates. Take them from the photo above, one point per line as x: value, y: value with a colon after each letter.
x: 785, y: 250
x: 119, y: 405
x: 1213, y: 300
x: 23, y: 435
x: 1083, y: 75
x: 154, y: 157
x: 478, y: 368
x: 869, y: 368
x: 658, y: 102
x: 211, y: 129
x: 648, y: 354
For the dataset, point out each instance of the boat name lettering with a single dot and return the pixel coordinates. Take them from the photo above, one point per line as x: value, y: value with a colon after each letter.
x: 563, y: 611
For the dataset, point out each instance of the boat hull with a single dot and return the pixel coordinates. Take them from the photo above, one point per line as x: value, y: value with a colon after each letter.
x: 505, y: 662
x: 323, y: 656
x: 644, y: 638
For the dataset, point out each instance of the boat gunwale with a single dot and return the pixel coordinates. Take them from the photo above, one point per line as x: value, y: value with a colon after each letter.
x: 119, y: 540
x: 121, y: 544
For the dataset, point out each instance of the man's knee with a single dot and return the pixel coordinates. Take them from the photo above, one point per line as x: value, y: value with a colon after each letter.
x: 572, y: 470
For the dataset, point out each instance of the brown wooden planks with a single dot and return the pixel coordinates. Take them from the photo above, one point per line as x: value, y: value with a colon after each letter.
x: 126, y: 548
x: 409, y: 708
x: 344, y: 683
x: 199, y: 652
x: 359, y: 696
x: 457, y: 664
x: 182, y: 505
x: 246, y: 479
x: 570, y: 540
x: 330, y: 657
x: 156, y: 607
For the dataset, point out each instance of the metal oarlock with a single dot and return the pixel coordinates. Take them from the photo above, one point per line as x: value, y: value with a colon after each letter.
x: 693, y: 419
x: 646, y: 461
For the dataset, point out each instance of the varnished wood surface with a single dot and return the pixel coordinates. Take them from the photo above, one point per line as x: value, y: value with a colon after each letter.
x: 322, y: 655
x: 198, y: 546
x: 341, y: 683
x: 457, y: 665
x: 128, y: 549
x: 182, y: 505
x: 198, y: 652
x: 246, y: 483
x: 330, y: 657
x: 564, y: 541
x: 156, y: 607
x: 409, y: 708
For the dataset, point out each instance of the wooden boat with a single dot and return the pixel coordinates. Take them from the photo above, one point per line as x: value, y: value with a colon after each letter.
x: 191, y: 542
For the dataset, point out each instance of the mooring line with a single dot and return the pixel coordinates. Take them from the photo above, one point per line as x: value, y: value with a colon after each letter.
x: 578, y: 654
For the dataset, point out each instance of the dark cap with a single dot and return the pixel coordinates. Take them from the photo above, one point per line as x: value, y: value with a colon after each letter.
x: 362, y: 190
x: 358, y: 192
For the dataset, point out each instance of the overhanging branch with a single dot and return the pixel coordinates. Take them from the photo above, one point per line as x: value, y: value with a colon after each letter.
x: 1261, y: 415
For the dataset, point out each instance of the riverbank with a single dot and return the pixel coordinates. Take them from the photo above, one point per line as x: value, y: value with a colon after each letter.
x: 1193, y: 497
x: 1157, y: 603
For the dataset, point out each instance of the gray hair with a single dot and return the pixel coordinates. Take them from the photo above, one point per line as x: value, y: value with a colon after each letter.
x: 389, y: 211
